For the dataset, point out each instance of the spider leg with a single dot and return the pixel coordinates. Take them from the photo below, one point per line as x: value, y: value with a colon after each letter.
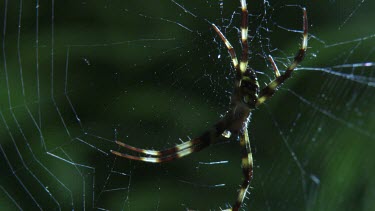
x: 173, y: 153
x: 164, y: 157
x: 171, y: 150
x: 244, y: 35
x: 206, y: 139
x: 229, y: 46
x: 247, y: 169
x: 270, y: 89
x: 274, y: 66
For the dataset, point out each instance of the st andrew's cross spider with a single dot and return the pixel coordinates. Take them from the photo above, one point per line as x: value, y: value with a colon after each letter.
x: 246, y: 97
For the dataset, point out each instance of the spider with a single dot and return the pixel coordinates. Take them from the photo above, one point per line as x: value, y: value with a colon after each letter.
x: 246, y: 97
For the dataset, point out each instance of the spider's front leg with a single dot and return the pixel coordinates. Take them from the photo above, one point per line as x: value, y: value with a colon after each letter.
x: 271, y: 88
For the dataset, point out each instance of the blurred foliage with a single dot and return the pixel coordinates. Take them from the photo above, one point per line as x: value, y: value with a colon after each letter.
x: 150, y: 73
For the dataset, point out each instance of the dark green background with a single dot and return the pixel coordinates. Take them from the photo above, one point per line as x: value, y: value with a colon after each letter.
x: 128, y: 70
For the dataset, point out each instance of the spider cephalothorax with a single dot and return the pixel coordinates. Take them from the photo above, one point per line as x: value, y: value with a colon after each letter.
x: 248, y: 88
x: 246, y: 96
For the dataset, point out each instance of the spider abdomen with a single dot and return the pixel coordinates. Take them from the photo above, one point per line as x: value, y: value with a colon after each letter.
x: 239, y: 116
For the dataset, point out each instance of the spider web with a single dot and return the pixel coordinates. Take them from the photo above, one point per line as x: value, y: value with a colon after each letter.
x: 75, y: 76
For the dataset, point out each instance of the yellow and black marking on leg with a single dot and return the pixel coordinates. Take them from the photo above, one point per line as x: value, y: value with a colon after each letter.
x: 244, y: 36
x: 162, y: 158
x: 207, y: 138
x: 270, y: 89
x: 171, y: 150
x: 229, y: 46
x: 169, y: 154
x: 247, y: 169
